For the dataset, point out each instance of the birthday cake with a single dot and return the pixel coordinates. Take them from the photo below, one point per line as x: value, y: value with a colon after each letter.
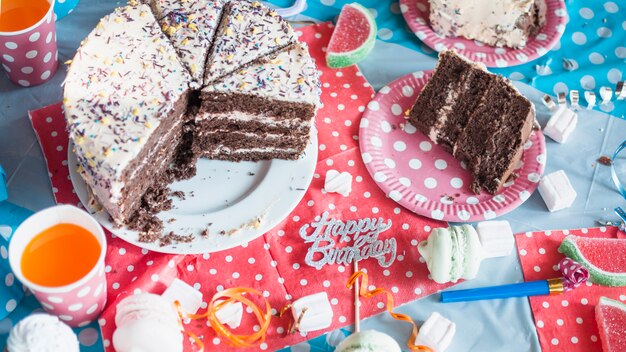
x: 478, y: 117
x: 501, y: 23
x: 155, y: 86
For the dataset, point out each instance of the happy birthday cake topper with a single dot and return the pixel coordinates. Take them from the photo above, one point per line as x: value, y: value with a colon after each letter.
x: 328, y: 236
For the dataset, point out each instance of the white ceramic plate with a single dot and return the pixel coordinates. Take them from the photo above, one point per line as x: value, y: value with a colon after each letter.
x: 226, y: 195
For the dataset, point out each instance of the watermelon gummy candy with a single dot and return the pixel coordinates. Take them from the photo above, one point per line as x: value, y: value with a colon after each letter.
x: 605, y: 258
x: 353, y: 38
x: 611, y: 319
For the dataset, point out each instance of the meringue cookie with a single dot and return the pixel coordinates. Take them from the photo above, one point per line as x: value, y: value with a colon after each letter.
x: 42, y: 333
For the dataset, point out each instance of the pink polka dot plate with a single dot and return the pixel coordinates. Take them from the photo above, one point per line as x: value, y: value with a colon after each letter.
x: 234, y: 202
x: 422, y: 176
x: 416, y: 14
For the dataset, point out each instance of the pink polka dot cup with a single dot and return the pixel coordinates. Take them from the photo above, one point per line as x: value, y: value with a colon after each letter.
x: 80, y: 302
x: 29, y: 56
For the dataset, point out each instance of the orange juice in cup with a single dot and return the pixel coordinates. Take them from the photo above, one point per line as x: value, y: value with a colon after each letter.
x: 58, y: 253
x: 16, y: 15
x: 54, y: 251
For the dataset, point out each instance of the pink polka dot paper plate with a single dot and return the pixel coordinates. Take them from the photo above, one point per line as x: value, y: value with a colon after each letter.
x: 416, y: 14
x: 422, y: 176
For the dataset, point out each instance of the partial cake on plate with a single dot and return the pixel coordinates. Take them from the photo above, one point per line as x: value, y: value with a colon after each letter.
x: 478, y: 117
x: 159, y: 84
x: 499, y: 23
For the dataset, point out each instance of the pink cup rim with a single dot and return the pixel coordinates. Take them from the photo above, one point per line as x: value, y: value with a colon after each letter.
x: 17, y: 269
x: 26, y: 30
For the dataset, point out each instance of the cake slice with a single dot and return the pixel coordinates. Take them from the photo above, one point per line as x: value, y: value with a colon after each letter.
x: 248, y: 31
x: 500, y: 23
x: 191, y: 26
x: 263, y: 111
x: 478, y: 117
x: 125, y: 96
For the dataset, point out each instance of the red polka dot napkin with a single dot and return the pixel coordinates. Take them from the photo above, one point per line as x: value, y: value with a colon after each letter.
x: 274, y: 264
x: 564, y: 322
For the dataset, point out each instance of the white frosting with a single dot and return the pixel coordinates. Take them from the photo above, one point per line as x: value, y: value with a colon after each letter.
x: 190, y: 25
x: 247, y: 32
x: 124, y: 79
x: 368, y: 341
x: 500, y: 23
x: 452, y: 253
x: 148, y: 323
x: 290, y: 76
x: 245, y: 117
x: 226, y: 150
x: 42, y: 333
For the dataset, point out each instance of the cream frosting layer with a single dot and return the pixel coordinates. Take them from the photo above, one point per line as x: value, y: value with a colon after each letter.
x: 500, y: 23
x: 247, y: 32
x: 290, y: 76
x: 246, y: 117
x: 124, y: 79
x: 190, y: 25
x: 42, y: 333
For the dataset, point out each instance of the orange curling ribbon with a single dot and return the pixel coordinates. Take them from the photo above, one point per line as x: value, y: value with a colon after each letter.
x: 226, y: 297
x: 366, y: 293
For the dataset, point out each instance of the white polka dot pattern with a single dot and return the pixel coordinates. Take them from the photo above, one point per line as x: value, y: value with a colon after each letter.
x: 564, y: 322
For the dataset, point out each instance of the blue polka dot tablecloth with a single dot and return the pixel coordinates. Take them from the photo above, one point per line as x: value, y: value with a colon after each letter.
x: 590, y: 55
x: 10, y: 217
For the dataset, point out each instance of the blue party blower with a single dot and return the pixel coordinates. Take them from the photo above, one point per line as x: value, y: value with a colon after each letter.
x: 524, y: 289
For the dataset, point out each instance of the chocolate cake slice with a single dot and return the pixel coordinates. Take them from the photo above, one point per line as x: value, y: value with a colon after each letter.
x: 191, y: 26
x: 247, y: 32
x: 124, y: 99
x: 263, y: 111
x: 501, y: 23
x: 479, y: 117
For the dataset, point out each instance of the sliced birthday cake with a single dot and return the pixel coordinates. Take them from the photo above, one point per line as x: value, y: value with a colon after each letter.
x: 478, y: 117
x: 500, y: 23
x: 159, y: 84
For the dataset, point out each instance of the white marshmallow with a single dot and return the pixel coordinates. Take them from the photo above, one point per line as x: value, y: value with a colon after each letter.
x: 318, y: 315
x: 437, y: 332
x: 561, y: 124
x: 620, y: 91
x: 556, y: 190
x: 496, y: 238
x: 189, y: 298
x: 230, y: 314
x: 574, y: 97
x: 337, y: 182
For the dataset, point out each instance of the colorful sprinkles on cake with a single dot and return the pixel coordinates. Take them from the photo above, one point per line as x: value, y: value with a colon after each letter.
x: 110, y: 92
x: 247, y: 32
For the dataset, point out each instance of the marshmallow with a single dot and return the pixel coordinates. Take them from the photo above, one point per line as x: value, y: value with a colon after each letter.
x: 318, y: 314
x: 189, y: 298
x: 556, y: 190
x: 496, y: 238
x: 230, y: 314
x: 590, y: 97
x: 436, y: 332
x: 561, y: 124
x: 337, y: 182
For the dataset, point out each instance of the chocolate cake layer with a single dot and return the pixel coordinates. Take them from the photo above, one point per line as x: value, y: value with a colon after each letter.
x: 253, y: 154
x: 477, y: 116
x: 213, y: 102
x: 154, y: 160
